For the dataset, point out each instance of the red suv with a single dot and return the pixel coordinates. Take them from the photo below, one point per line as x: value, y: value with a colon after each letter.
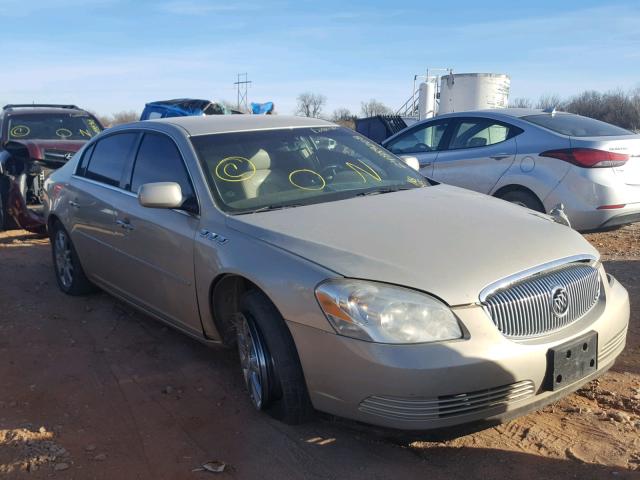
x: 36, y: 139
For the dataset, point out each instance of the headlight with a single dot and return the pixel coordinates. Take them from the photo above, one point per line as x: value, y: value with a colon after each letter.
x: 383, y: 313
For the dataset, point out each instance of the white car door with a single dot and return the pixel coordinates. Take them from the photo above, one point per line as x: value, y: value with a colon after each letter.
x: 422, y: 141
x: 479, y: 152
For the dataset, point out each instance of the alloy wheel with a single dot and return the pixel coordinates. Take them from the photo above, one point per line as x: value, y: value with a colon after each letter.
x: 254, y: 361
x: 64, y: 263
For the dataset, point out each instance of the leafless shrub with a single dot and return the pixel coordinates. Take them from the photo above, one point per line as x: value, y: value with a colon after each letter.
x: 520, y: 102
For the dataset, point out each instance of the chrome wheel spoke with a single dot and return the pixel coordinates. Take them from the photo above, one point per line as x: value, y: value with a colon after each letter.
x: 253, y: 361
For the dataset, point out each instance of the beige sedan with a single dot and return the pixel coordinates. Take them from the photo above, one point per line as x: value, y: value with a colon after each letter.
x: 348, y: 282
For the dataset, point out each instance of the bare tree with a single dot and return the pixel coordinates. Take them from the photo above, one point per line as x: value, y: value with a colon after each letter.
x: 374, y: 107
x: 310, y: 104
x: 549, y: 101
x: 615, y: 106
x: 344, y: 117
x: 125, y: 116
x: 520, y: 102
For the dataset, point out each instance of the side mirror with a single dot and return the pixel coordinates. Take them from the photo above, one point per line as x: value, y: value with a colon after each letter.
x: 160, y: 195
x: 411, y: 161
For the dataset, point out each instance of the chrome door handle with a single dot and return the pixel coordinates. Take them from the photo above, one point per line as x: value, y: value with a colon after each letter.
x: 425, y: 164
x: 74, y: 204
x: 125, y: 224
x: 500, y: 156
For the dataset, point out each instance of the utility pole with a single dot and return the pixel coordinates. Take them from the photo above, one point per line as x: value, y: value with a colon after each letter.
x: 242, y: 83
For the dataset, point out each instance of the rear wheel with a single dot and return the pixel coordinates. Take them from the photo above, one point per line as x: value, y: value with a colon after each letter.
x: 4, y: 194
x: 269, y: 360
x: 524, y: 199
x: 69, y: 274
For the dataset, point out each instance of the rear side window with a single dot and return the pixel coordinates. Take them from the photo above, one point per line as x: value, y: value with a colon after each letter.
x: 576, y: 125
x: 481, y: 132
x: 159, y: 160
x: 109, y: 158
x: 86, y: 156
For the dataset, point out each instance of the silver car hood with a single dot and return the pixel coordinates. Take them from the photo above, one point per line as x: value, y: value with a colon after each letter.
x: 442, y: 240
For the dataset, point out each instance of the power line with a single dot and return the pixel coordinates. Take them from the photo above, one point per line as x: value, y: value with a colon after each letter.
x: 242, y: 86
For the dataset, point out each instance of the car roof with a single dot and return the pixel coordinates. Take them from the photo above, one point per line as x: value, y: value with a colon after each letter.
x: 203, y: 125
x: 36, y: 110
x: 509, y: 112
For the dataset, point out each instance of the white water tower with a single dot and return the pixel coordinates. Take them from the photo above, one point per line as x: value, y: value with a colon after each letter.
x: 473, y: 91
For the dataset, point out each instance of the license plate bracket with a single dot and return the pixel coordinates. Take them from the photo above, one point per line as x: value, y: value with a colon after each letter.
x: 572, y: 361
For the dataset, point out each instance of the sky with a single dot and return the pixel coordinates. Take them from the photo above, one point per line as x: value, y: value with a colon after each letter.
x: 114, y: 55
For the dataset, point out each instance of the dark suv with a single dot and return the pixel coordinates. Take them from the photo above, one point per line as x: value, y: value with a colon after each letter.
x: 36, y: 139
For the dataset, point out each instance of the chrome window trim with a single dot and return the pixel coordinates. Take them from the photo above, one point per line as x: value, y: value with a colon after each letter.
x: 104, y: 185
x: 511, y: 279
x: 129, y: 193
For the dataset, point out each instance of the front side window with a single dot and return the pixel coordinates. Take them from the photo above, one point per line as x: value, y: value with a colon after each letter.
x: 109, y: 158
x: 159, y: 160
x: 576, y: 125
x: 480, y: 132
x: 425, y: 138
x: 249, y: 171
x: 52, y: 126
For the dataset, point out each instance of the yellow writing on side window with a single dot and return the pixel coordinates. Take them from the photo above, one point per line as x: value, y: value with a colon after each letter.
x: 235, y: 169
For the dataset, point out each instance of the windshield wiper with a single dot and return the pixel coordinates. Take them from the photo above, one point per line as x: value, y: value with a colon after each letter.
x: 267, y: 208
x: 383, y: 190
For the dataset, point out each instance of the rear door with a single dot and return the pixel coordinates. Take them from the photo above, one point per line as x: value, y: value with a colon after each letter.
x: 92, y: 191
x: 478, y: 153
x: 423, y: 141
x: 156, y: 244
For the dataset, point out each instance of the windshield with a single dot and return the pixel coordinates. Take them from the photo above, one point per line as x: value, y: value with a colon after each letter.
x: 267, y: 169
x: 52, y: 126
x: 576, y: 125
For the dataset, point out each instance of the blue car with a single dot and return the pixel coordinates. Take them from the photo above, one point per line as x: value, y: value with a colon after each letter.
x: 183, y: 107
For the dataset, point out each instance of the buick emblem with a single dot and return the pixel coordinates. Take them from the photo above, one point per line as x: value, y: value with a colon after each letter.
x: 559, y: 301
x: 68, y: 156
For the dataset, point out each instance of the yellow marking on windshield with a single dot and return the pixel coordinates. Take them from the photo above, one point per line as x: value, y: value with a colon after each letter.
x: 85, y: 133
x: 414, y: 181
x: 64, y: 132
x: 295, y: 172
x: 361, y: 171
x: 20, y: 131
x: 93, y: 125
x: 227, y: 169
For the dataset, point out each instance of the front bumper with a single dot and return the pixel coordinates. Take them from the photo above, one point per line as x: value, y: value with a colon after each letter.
x: 486, y: 378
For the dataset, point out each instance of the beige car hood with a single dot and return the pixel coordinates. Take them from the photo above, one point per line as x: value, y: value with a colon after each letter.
x: 442, y: 240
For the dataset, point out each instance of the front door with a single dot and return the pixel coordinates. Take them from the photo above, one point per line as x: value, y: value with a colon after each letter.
x: 156, y: 244
x: 422, y: 141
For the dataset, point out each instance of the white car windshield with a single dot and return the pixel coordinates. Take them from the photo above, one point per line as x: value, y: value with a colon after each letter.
x: 269, y: 169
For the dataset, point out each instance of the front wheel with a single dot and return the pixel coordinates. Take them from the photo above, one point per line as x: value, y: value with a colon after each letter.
x: 269, y: 361
x: 69, y: 274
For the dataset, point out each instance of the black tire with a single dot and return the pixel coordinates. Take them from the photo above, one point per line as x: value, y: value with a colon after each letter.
x: 71, y: 279
x: 524, y: 199
x: 4, y: 194
x: 287, y: 398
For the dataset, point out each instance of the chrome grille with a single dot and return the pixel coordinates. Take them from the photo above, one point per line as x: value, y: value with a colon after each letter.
x: 447, y: 406
x: 525, y: 308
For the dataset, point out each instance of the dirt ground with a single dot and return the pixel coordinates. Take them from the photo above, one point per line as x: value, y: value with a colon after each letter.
x: 90, y: 389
